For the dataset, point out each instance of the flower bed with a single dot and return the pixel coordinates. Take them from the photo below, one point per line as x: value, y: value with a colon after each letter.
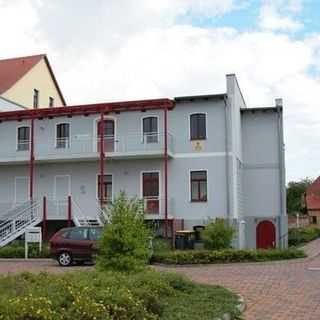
x: 111, y: 296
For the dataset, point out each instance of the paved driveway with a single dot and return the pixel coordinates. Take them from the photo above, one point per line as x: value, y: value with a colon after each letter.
x: 273, y: 291
x: 287, y: 290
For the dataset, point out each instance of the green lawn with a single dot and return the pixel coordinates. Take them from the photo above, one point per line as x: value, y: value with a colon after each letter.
x: 97, y: 295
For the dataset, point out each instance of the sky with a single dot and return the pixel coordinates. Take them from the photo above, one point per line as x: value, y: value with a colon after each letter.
x: 109, y: 50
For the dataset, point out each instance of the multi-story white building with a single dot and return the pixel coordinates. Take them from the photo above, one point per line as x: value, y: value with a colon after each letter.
x: 190, y: 159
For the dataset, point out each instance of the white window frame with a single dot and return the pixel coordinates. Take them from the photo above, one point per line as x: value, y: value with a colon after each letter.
x: 56, y: 132
x: 158, y: 125
x: 97, y: 184
x: 189, y: 178
x: 189, y: 125
x: 15, y: 187
x: 17, y: 130
x: 55, y: 185
x: 95, y: 131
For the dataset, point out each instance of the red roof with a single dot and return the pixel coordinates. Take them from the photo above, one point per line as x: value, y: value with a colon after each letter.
x: 12, y: 70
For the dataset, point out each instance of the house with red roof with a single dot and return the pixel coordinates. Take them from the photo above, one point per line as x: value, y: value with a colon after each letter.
x: 28, y: 82
x: 312, y: 201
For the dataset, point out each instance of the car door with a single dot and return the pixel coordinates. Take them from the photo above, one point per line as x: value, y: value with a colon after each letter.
x: 79, y: 243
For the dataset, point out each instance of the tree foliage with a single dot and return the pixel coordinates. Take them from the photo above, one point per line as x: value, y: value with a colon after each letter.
x: 125, y: 242
x: 295, y: 191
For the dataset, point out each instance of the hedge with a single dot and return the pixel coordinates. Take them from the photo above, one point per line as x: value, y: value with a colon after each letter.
x: 225, y: 256
x: 18, y: 251
x: 300, y: 236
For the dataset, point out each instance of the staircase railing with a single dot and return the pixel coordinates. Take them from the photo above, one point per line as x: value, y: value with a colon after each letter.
x: 103, y: 213
x: 15, y: 225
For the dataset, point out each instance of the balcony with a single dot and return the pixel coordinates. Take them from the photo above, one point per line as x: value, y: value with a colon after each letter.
x: 83, y: 147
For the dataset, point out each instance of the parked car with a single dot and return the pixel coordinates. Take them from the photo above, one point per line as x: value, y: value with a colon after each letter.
x: 77, y: 244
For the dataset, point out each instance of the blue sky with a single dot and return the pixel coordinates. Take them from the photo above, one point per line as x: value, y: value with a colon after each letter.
x: 124, y: 49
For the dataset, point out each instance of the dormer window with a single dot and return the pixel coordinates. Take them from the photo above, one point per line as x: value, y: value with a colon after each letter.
x: 150, y: 129
x: 198, y: 129
x: 63, y: 136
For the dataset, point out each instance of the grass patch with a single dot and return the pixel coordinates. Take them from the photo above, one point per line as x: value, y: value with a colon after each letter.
x: 225, y: 256
x: 111, y: 296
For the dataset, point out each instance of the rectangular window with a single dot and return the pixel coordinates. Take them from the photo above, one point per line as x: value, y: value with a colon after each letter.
x: 198, y: 126
x: 198, y: 183
x: 63, y: 136
x: 150, y: 130
x: 35, y: 98
x: 150, y: 192
x: 51, y: 102
x: 23, y: 138
x: 107, y: 188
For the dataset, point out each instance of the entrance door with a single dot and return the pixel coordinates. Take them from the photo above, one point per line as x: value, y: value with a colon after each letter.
x: 150, y: 192
x: 108, y: 135
x: 266, y: 235
x: 61, y: 193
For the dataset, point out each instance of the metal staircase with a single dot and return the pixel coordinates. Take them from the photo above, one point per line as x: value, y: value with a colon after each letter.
x: 81, y: 219
x: 15, y: 221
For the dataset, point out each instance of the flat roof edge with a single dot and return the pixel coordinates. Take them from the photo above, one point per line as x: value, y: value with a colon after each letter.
x: 200, y: 97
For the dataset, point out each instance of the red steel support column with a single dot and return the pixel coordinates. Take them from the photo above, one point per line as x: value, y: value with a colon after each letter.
x: 166, y: 173
x: 44, y: 220
x: 101, y: 130
x: 69, y: 211
x: 31, y: 163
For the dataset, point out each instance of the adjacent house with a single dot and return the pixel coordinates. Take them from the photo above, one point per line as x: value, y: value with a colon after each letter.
x: 29, y: 82
x: 190, y: 159
x: 312, y: 202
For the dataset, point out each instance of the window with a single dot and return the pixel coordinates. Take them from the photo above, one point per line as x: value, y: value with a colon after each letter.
x: 35, y: 98
x: 23, y: 141
x: 95, y: 233
x: 51, y: 102
x: 150, y: 192
x: 198, y: 126
x: 107, y: 188
x: 150, y: 130
x: 63, y: 136
x: 78, y: 234
x: 108, y: 135
x: 198, y: 182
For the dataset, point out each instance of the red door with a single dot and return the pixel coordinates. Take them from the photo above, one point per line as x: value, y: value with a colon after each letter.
x: 108, y: 135
x: 266, y: 235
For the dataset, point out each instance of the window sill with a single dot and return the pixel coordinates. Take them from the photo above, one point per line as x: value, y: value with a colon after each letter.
x: 198, y: 201
x: 198, y: 139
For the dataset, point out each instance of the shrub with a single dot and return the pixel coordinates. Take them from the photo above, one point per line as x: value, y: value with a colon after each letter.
x: 125, y: 242
x: 160, y: 245
x: 299, y: 236
x: 218, y: 235
x: 110, y: 296
x: 226, y: 256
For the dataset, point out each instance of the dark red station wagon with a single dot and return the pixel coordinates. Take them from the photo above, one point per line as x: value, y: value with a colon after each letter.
x: 77, y: 244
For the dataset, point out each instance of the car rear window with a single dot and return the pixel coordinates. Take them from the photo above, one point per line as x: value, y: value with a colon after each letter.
x: 95, y: 233
x: 78, y: 234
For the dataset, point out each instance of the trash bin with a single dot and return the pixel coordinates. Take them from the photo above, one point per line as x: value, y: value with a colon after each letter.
x: 180, y: 242
x: 197, y: 232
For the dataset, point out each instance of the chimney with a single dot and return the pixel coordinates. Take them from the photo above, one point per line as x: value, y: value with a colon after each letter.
x: 279, y: 103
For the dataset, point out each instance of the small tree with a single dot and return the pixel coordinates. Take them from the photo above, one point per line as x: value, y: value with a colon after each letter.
x: 218, y: 235
x: 125, y: 242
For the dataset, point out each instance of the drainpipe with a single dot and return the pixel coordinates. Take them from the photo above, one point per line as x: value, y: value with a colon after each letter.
x: 166, y: 173
x: 281, y: 167
x: 225, y: 99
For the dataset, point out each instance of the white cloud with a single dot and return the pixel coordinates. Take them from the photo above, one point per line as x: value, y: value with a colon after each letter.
x: 272, y: 19
x: 117, y: 50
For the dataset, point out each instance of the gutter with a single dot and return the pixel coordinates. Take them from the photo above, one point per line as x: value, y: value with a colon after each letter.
x: 227, y: 155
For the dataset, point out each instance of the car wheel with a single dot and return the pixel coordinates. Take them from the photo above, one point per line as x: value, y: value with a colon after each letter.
x: 64, y: 259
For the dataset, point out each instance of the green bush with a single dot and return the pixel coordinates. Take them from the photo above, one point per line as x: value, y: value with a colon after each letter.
x: 111, y: 296
x: 299, y: 236
x: 125, y: 242
x: 18, y: 251
x: 225, y: 256
x: 161, y: 245
x: 218, y: 235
